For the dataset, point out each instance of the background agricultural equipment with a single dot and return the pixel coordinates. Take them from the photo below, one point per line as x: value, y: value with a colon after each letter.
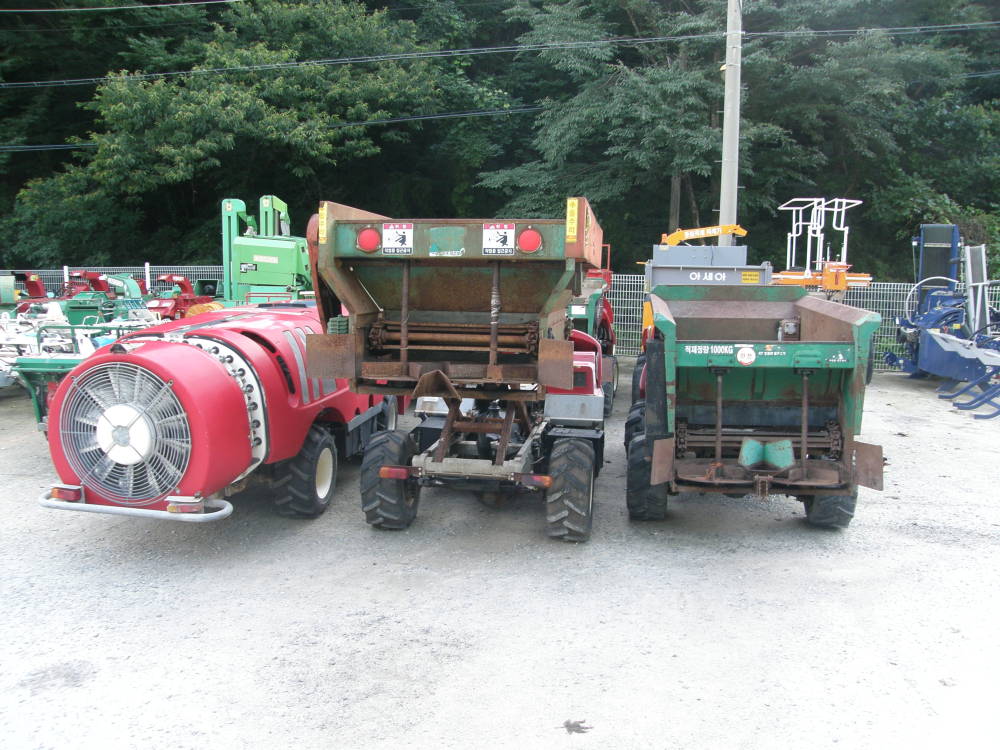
x: 169, y: 421
x: 591, y: 312
x: 48, y: 336
x: 819, y: 270
x: 749, y: 388
x: 456, y: 309
x: 179, y: 298
x: 12, y: 299
x: 261, y: 260
x: 950, y: 333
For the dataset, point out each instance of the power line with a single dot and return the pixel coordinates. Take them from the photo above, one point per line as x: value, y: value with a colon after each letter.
x: 48, y: 147
x: 118, y: 7
x: 447, y: 115
x: 100, y: 29
x: 893, y: 30
x: 981, y: 74
x: 386, y: 121
x: 504, y: 49
x: 390, y: 57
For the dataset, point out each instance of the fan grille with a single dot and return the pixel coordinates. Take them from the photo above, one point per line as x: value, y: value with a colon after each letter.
x: 125, y: 434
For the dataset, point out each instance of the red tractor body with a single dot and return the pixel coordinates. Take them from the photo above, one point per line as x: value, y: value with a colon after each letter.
x: 170, y: 417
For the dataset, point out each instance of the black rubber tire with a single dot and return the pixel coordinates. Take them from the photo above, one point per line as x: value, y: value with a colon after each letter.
x: 609, y: 398
x: 645, y: 503
x: 635, y: 422
x: 830, y: 511
x: 309, y: 480
x: 388, y: 503
x: 569, y: 501
x: 614, y: 374
x: 640, y: 362
x: 604, y: 338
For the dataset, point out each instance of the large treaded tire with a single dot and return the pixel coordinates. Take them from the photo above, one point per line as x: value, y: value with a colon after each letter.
x: 830, y: 511
x: 645, y: 502
x: 640, y: 362
x: 609, y: 398
x: 635, y: 422
x: 388, y: 503
x: 307, y: 484
x: 569, y: 501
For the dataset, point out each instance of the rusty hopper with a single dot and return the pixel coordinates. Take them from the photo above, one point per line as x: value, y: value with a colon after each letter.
x: 482, y: 301
x: 752, y: 389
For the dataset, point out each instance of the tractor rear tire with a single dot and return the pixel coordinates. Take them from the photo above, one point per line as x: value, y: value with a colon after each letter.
x: 569, y: 501
x: 635, y: 422
x: 388, y: 503
x: 640, y: 362
x: 645, y: 502
x: 309, y: 480
x: 830, y: 511
x: 609, y: 398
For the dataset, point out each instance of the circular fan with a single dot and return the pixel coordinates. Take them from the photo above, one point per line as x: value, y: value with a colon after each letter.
x: 125, y: 433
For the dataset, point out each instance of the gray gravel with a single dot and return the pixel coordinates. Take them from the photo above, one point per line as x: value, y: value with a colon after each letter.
x: 731, y: 624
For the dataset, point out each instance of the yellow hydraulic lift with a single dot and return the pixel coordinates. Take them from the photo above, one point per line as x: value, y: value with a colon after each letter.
x: 683, y: 235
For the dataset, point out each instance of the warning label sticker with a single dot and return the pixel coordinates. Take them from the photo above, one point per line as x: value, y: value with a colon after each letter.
x: 498, y: 239
x: 397, y: 239
x: 750, y: 277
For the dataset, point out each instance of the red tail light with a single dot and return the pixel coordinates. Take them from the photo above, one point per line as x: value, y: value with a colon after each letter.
x: 394, y: 472
x: 534, y: 480
x: 369, y: 240
x: 529, y: 241
x: 68, y: 492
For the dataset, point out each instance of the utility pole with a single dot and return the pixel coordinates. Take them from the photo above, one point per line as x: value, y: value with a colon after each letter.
x: 731, y: 120
x: 674, y: 220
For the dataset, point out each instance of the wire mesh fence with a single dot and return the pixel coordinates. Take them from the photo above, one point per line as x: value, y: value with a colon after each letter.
x: 887, y: 299
x: 626, y: 302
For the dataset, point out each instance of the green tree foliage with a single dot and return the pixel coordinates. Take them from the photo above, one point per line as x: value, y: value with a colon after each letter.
x: 886, y: 118
x: 243, y: 122
x: 906, y: 122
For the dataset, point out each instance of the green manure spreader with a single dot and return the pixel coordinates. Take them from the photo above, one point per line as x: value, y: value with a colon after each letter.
x: 749, y: 388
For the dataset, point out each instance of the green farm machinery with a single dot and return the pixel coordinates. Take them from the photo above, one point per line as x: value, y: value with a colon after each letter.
x: 261, y: 260
x: 750, y: 388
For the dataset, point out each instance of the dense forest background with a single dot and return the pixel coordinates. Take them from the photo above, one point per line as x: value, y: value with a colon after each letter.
x: 161, y: 113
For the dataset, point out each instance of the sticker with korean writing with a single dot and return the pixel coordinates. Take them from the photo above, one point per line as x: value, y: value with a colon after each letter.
x: 746, y: 355
x: 572, y: 208
x: 397, y: 239
x: 498, y: 239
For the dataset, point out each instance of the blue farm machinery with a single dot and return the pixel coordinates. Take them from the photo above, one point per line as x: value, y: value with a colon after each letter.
x: 948, y: 328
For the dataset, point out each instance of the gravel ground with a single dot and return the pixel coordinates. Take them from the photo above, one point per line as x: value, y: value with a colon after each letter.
x: 731, y: 624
